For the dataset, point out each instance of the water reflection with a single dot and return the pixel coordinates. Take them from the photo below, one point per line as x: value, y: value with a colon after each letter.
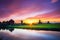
x: 24, y: 34
x: 10, y: 29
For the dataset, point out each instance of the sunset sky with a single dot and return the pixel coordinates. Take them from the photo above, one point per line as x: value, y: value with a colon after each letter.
x: 45, y: 10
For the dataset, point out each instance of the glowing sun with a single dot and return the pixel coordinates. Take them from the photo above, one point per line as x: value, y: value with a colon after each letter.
x: 31, y: 21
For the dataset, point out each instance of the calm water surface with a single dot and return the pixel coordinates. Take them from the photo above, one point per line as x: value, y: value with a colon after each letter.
x: 24, y: 34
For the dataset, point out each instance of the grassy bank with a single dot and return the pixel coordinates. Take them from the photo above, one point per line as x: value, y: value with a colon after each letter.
x: 37, y: 26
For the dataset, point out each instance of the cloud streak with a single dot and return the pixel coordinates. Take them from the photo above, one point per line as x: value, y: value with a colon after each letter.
x: 18, y: 8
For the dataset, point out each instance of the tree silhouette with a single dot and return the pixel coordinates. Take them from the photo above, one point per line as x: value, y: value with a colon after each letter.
x: 0, y: 22
x: 3, y: 25
x: 11, y: 22
x: 22, y: 22
x: 0, y: 25
x: 7, y: 22
x: 39, y: 22
x: 48, y: 22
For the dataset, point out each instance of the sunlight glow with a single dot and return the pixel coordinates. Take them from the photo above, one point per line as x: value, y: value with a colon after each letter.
x: 31, y: 21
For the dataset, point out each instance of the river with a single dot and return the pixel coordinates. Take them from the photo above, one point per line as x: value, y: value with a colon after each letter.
x: 25, y: 34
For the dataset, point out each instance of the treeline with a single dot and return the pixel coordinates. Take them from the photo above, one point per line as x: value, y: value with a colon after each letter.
x: 4, y: 25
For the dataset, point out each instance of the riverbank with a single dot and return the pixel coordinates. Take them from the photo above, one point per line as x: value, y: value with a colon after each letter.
x: 48, y: 27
